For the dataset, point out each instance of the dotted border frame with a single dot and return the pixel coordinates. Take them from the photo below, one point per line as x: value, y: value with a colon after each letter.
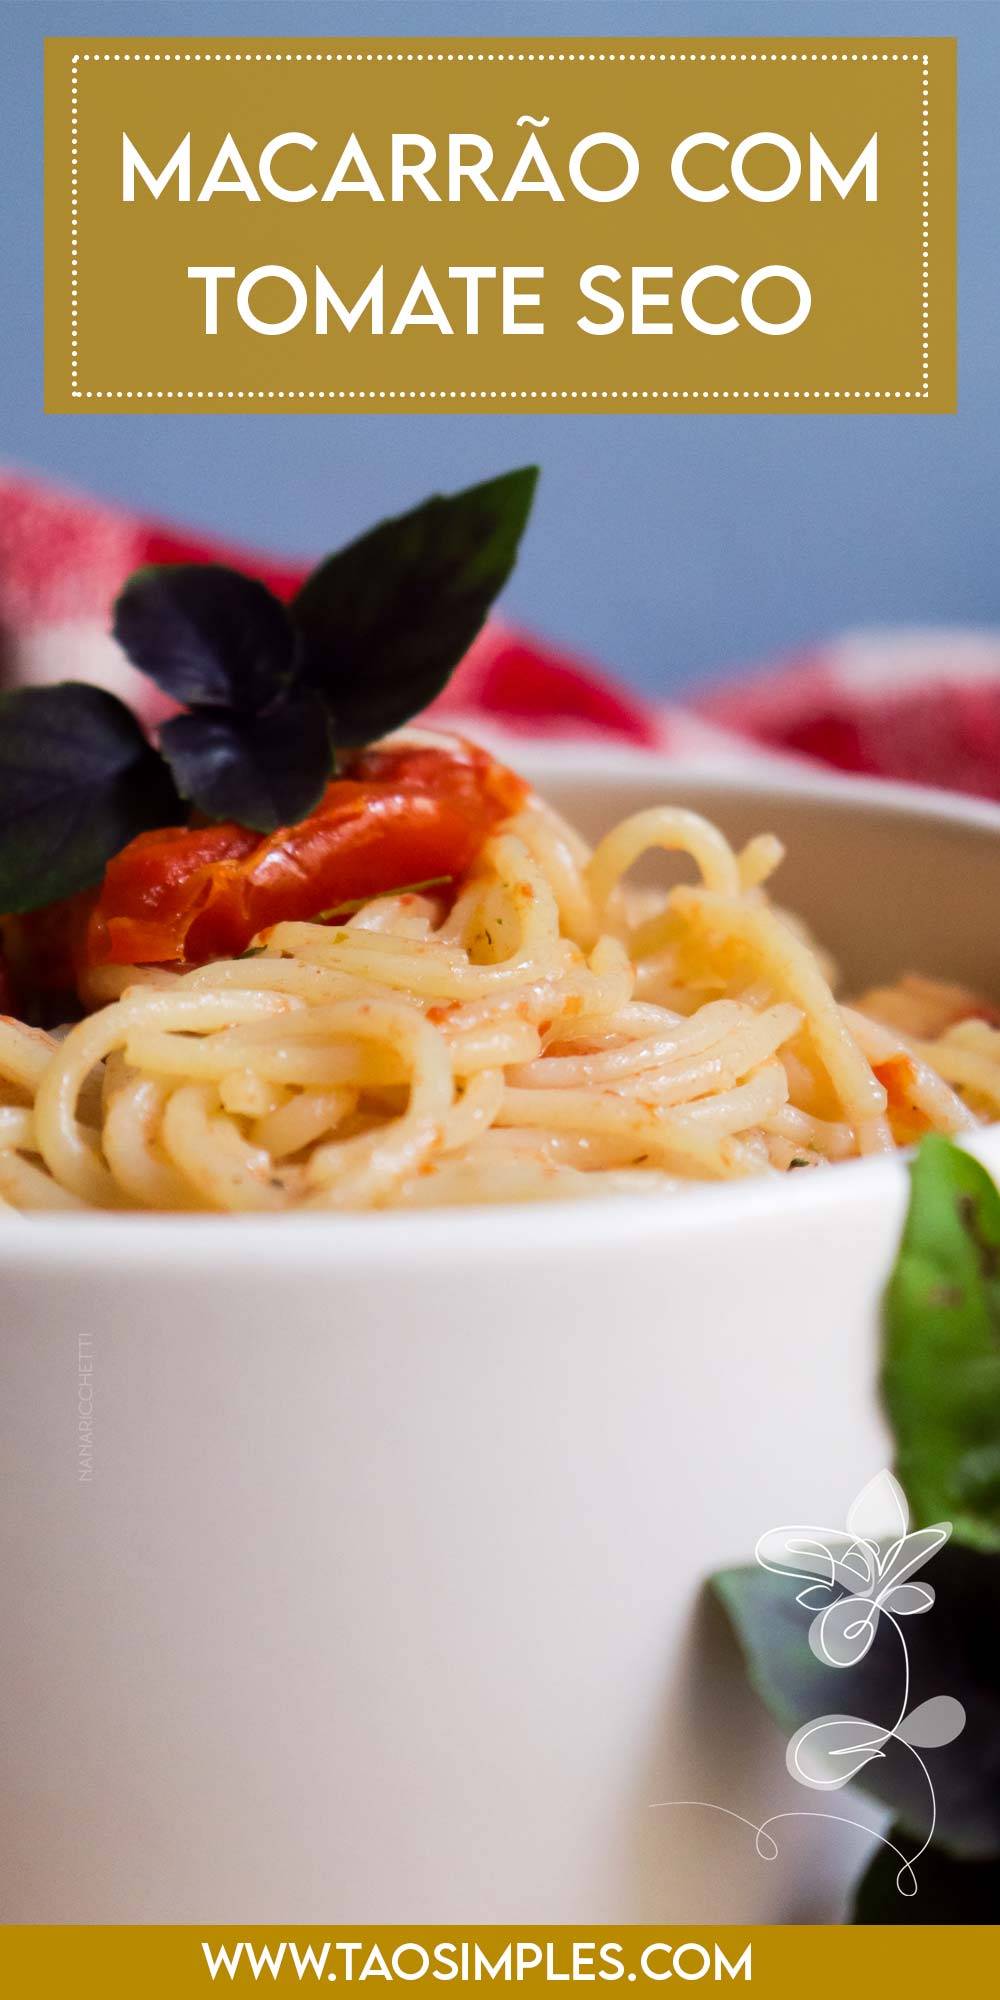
x: 502, y: 395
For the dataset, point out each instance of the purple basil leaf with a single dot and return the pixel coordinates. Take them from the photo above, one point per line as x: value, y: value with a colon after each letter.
x: 385, y: 621
x: 206, y: 635
x: 264, y: 771
x: 78, y: 781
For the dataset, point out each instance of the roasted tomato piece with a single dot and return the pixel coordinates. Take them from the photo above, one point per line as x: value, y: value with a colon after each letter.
x: 397, y: 815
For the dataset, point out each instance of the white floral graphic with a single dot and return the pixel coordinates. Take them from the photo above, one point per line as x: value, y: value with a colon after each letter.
x: 874, y: 1570
x: 832, y: 1750
x: 855, y: 1578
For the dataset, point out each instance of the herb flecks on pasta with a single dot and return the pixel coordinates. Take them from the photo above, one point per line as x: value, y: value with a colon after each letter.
x: 534, y: 1027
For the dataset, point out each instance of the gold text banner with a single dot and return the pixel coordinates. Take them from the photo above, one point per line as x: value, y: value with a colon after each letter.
x: 599, y: 225
x: 778, y: 1962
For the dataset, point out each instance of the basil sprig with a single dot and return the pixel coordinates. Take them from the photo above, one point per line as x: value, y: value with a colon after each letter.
x: 269, y: 690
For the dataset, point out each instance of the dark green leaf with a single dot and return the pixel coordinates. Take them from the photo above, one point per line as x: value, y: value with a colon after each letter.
x: 264, y: 771
x: 78, y: 780
x: 941, y: 1366
x: 949, y: 1891
x: 386, y: 620
x: 954, y: 1649
x: 207, y: 635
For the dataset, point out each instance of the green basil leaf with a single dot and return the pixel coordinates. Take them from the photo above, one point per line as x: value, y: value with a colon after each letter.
x: 356, y: 903
x: 264, y: 771
x: 941, y: 1362
x: 953, y: 1649
x: 385, y: 621
x: 78, y: 780
x: 206, y: 635
x: 949, y: 1890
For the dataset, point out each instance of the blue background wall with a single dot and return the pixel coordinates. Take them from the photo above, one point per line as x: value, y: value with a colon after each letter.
x: 667, y: 546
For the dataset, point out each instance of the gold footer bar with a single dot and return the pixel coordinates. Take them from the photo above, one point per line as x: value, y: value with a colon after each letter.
x: 101, y: 1961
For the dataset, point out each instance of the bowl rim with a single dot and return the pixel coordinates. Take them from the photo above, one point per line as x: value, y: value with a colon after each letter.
x: 544, y: 1230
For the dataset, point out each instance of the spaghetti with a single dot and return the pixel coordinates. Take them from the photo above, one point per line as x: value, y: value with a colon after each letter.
x: 542, y: 1030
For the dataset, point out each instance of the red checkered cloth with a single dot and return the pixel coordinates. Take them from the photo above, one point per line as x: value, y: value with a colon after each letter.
x: 922, y: 706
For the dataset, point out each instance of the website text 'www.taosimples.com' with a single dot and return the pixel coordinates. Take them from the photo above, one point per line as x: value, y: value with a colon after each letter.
x: 518, y: 1961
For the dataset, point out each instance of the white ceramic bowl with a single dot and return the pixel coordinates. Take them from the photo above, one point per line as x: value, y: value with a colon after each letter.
x: 383, y: 1602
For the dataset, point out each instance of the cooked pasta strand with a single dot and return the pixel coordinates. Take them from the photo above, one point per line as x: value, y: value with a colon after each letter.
x: 537, y: 1031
